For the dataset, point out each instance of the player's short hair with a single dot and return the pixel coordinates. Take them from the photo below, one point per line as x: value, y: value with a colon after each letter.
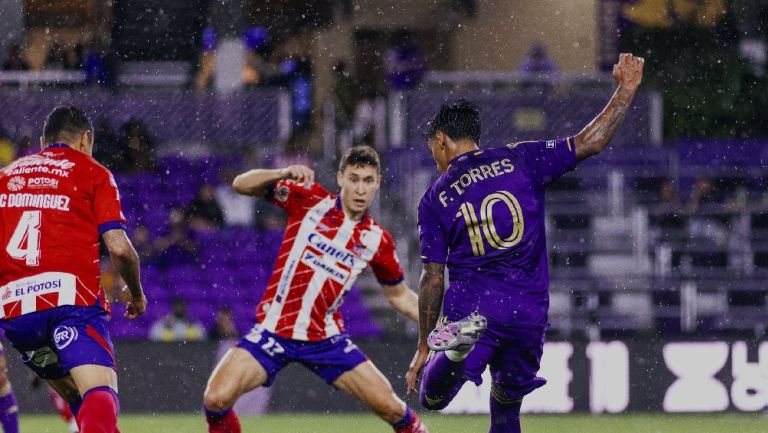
x: 65, y: 121
x: 360, y: 155
x: 458, y: 120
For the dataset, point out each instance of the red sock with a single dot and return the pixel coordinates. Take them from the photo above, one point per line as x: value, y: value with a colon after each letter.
x: 98, y: 414
x: 60, y: 405
x: 222, y: 422
x: 410, y: 423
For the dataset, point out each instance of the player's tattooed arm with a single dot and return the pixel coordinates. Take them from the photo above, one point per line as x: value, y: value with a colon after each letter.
x: 628, y: 73
x: 126, y: 262
x: 254, y: 182
x: 431, y: 290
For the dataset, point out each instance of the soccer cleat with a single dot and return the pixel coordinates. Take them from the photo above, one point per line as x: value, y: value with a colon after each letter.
x: 459, y: 336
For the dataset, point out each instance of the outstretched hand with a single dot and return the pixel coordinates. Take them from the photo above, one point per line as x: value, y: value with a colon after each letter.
x: 419, y: 359
x: 628, y: 72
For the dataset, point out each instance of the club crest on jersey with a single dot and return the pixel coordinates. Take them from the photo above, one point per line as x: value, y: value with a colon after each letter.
x: 282, y: 193
x: 16, y: 183
x: 63, y: 336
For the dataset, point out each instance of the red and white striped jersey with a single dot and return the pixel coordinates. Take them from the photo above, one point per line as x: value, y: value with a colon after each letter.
x: 322, y: 253
x: 53, y: 206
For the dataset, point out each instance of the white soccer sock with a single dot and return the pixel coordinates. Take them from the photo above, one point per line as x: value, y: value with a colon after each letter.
x: 458, y: 355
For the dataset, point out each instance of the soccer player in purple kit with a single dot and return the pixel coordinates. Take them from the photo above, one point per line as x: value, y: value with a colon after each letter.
x: 484, y: 219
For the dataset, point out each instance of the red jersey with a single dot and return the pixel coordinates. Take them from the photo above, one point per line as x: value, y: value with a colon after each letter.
x: 322, y: 253
x: 53, y: 206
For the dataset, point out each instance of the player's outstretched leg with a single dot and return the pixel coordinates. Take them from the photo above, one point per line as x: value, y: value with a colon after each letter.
x: 237, y: 373
x: 371, y: 387
x: 505, y: 412
x: 444, y: 372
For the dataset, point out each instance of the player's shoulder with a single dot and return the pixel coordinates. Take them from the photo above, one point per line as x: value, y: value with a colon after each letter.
x: 377, y: 229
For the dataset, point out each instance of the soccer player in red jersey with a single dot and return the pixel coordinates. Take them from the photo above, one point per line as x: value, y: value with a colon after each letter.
x: 328, y: 241
x: 53, y: 207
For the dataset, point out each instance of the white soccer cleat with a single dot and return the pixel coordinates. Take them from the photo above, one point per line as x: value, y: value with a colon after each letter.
x: 459, y: 336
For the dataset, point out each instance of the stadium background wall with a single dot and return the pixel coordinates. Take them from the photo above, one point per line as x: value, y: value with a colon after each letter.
x: 636, y: 375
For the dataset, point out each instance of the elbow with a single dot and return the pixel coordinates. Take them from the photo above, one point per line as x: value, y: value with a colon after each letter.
x: 124, y: 253
x: 238, y: 185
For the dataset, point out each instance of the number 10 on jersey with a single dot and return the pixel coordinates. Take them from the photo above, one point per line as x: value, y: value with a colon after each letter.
x: 485, y: 226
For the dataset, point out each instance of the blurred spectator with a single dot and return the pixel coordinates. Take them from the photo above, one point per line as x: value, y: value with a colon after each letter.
x: 345, y: 96
x: 142, y: 243
x: 27, y: 146
x: 298, y: 72
x: 7, y: 148
x: 668, y: 198
x: 107, y: 149
x: 177, y: 326
x: 95, y: 66
x: 238, y: 209
x: 206, y: 66
x: 702, y: 227
x: 405, y: 62
x: 15, y: 59
x: 537, y: 61
x: 176, y: 247
x: 224, y: 328
x: 703, y: 194
x: 56, y: 57
x: 204, y: 212
x: 138, y: 147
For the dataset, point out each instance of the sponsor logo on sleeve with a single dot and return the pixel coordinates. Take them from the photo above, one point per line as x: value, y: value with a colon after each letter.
x: 551, y: 144
x: 16, y: 183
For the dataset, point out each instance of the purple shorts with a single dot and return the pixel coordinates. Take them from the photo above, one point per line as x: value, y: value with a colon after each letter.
x: 54, y: 341
x: 329, y: 358
x: 513, y: 355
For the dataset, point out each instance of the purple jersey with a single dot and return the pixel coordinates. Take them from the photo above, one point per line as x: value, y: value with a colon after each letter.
x: 484, y: 217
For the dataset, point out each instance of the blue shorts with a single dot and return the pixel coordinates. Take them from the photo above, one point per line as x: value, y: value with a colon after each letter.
x: 52, y: 342
x: 329, y: 358
x: 513, y: 355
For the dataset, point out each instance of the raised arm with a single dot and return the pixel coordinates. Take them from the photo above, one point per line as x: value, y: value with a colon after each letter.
x: 254, y: 182
x: 431, y: 291
x: 628, y: 73
x: 126, y: 261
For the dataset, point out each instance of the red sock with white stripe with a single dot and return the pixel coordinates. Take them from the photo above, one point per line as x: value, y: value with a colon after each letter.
x: 224, y: 421
x: 98, y: 413
x: 410, y: 423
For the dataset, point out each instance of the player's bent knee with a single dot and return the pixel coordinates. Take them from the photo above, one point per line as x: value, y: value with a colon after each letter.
x: 218, y: 399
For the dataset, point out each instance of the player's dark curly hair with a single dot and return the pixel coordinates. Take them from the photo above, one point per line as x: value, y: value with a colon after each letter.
x: 64, y: 122
x: 459, y: 120
x: 360, y: 155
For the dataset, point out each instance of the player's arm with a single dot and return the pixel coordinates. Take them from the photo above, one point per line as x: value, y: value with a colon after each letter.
x: 126, y: 262
x: 255, y: 182
x: 403, y: 299
x: 628, y: 73
x: 431, y: 291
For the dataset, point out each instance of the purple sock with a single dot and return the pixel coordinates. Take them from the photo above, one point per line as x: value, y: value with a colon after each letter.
x: 9, y: 413
x: 441, y: 381
x: 505, y: 414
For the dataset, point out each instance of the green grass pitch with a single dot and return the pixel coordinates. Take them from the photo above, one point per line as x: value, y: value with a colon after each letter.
x: 334, y: 423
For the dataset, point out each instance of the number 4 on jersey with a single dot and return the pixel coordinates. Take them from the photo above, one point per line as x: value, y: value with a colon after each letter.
x: 25, y: 241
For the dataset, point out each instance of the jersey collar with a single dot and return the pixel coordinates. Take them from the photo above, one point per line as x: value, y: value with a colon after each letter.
x: 57, y: 146
x: 364, y: 219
